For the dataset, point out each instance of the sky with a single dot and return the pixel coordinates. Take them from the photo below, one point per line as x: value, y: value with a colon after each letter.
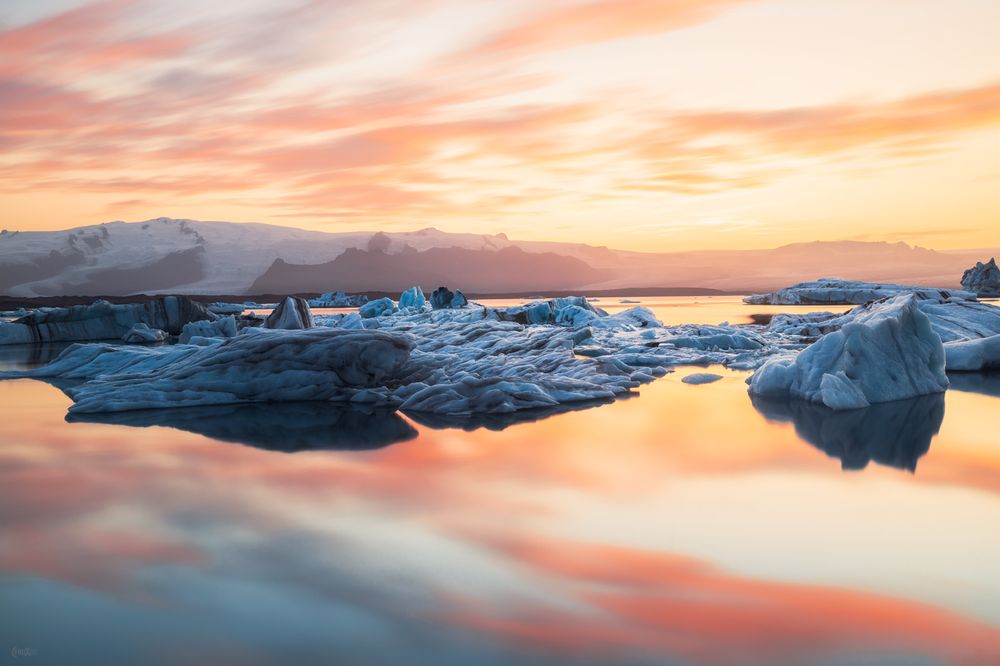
x: 637, y: 124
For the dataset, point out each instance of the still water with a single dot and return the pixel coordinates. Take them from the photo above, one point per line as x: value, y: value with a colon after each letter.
x: 686, y: 525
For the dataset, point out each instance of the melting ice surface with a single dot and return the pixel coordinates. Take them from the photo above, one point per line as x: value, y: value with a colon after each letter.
x: 687, y: 525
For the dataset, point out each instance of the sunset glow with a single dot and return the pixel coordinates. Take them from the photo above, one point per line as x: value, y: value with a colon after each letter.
x: 638, y: 124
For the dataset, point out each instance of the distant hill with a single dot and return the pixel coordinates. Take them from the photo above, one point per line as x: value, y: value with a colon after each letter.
x: 195, y: 257
x: 505, y: 270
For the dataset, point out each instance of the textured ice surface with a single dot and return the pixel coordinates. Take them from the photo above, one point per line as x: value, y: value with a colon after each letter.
x: 292, y: 314
x: 973, y: 355
x: 223, y: 327
x: 377, y: 308
x: 951, y: 319
x: 413, y: 298
x: 102, y: 320
x: 701, y: 378
x: 338, y: 299
x: 140, y: 332
x: 983, y: 279
x: 257, y: 366
x: 831, y: 291
x: 888, y: 352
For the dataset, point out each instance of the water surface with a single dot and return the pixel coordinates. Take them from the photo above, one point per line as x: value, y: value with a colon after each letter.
x: 687, y: 525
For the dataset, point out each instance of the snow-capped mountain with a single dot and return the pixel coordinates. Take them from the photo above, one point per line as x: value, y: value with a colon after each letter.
x: 165, y: 255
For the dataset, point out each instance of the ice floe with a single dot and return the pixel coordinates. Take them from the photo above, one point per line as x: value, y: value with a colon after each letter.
x: 983, y: 279
x: 292, y: 314
x: 102, y: 320
x: 338, y: 299
x: 378, y: 308
x: 888, y: 352
x: 223, y: 327
x: 973, y: 355
x: 141, y: 333
x: 831, y: 291
x: 226, y: 308
x: 413, y: 298
x: 701, y: 378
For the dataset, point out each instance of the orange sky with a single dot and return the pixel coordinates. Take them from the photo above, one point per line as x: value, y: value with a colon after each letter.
x: 641, y: 124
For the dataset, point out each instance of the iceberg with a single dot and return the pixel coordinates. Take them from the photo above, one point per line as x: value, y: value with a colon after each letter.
x: 226, y: 308
x: 831, y: 291
x: 413, y: 298
x: 141, y: 333
x: 701, y: 378
x: 973, y: 355
x: 377, y: 308
x: 951, y: 319
x: 224, y: 327
x: 319, y: 364
x: 338, y: 299
x: 292, y: 314
x: 443, y: 298
x: 889, y: 352
x: 103, y: 321
x: 983, y: 279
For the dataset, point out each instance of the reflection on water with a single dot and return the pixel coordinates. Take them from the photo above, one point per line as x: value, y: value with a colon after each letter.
x: 890, y: 433
x: 26, y: 357
x: 289, y: 426
x: 471, y: 422
x: 679, y: 527
x: 987, y: 383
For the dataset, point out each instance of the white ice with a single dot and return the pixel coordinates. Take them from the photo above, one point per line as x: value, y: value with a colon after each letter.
x: 832, y: 291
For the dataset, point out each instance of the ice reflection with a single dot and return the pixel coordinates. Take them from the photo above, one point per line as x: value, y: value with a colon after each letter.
x: 987, y: 383
x: 470, y: 422
x: 288, y: 427
x: 894, y: 433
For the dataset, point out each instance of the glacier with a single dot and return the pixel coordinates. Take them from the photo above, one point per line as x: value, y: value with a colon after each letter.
x: 833, y: 291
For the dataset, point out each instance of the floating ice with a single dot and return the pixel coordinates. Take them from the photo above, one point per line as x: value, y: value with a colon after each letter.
x: 412, y: 298
x: 377, y: 308
x: 831, y: 291
x: 338, y: 299
x: 140, y: 332
x: 223, y: 327
x: 292, y: 315
x: 983, y: 279
x: 226, y: 308
x: 888, y: 352
x: 102, y: 320
x: 701, y: 378
x: 264, y: 366
x: 973, y: 355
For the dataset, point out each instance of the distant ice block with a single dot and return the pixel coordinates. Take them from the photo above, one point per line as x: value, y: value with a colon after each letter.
x: 413, y: 298
x: 377, y: 308
x: 889, y: 352
x: 973, y: 355
x: 103, y: 321
x: 140, y: 333
x: 983, y: 279
x: 701, y: 378
x: 265, y: 366
x: 226, y: 308
x: 292, y: 314
x: 338, y: 299
x: 223, y: 327
x: 831, y: 291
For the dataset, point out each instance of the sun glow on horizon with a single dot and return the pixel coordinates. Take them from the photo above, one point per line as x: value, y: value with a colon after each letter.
x: 644, y: 124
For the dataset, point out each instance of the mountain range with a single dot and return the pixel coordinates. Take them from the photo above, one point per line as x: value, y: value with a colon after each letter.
x: 196, y: 257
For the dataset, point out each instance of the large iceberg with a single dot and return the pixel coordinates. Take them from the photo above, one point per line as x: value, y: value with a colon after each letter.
x: 983, y: 279
x: 413, y: 298
x: 258, y: 366
x: 377, y: 308
x: 889, y: 352
x: 292, y: 314
x: 103, y: 321
x: 951, y: 319
x: 831, y: 291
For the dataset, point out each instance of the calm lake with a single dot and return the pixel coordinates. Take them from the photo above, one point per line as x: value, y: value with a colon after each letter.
x: 686, y: 525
